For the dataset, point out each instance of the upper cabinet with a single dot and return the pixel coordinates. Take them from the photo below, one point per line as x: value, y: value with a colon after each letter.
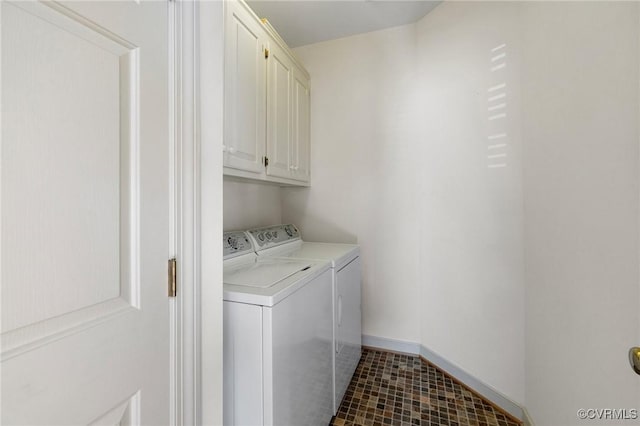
x: 266, y: 105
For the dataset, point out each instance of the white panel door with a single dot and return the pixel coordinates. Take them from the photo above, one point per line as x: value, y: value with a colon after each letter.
x: 301, y: 142
x: 85, y: 213
x: 245, y: 91
x: 279, y: 85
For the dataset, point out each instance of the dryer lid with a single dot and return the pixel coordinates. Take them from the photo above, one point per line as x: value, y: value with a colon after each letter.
x: 264, y: 273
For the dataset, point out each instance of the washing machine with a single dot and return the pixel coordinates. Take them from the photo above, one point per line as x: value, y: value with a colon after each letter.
x: 278, y: 338
x: 284, y: 241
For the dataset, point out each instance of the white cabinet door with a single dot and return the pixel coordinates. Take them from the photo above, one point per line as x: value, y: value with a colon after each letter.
x: 300, y: 150
x: 245, y: 91
x: 85, y: 213
x: 279, y: 85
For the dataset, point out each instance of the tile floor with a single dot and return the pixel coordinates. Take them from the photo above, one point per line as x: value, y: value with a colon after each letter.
x: 394, y: 389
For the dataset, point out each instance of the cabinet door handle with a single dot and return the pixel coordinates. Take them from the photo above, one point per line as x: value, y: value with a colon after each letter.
x: 232, y: 149
x: 292, y: 167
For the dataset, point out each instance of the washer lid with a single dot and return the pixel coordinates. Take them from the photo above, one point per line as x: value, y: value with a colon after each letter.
x: 264, y: 273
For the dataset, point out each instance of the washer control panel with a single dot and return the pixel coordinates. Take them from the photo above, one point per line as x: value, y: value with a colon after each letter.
x: 236, y: 242
x: 274, y: 235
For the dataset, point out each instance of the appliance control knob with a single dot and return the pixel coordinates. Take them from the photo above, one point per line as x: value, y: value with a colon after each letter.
x: 233, y: 242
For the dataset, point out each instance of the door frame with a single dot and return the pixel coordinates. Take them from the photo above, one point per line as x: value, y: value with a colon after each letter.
x: 176, y: 305
x: 196, y: 49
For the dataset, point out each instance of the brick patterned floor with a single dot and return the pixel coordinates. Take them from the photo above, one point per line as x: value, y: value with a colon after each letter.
x: 394, y: 389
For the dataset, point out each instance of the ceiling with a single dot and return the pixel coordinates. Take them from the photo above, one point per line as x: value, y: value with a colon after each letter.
x: 310, y: 21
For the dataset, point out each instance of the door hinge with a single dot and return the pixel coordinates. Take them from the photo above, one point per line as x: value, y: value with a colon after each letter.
x: 172, y: 275
x: 266, y: 53
x: 266, y: 161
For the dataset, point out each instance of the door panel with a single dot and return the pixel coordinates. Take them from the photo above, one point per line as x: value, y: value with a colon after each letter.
x: 301, y: 128
x: 84, y: 213
x: 245, y: 91
x: 279, y: 76
x: 74, y: 148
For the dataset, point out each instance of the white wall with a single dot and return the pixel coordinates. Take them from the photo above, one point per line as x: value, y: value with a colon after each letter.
x: 364, y: 169
x: 580, y: 94
x: 250, y: 205
x: 399, y: 165
x: 470, y: 204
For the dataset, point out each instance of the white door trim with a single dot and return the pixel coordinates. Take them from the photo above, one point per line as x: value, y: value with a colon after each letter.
x: 184, y: 326
x: 184, y: 370
x: 175, y: 304
x: 197, y: 309
x: 210, y: 53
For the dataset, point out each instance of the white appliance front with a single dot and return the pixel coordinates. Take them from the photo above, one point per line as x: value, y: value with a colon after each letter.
x: 348, y: 326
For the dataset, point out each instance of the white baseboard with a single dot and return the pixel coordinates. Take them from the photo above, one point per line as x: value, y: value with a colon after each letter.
x: 391, y: 344
x: 458, y: 373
